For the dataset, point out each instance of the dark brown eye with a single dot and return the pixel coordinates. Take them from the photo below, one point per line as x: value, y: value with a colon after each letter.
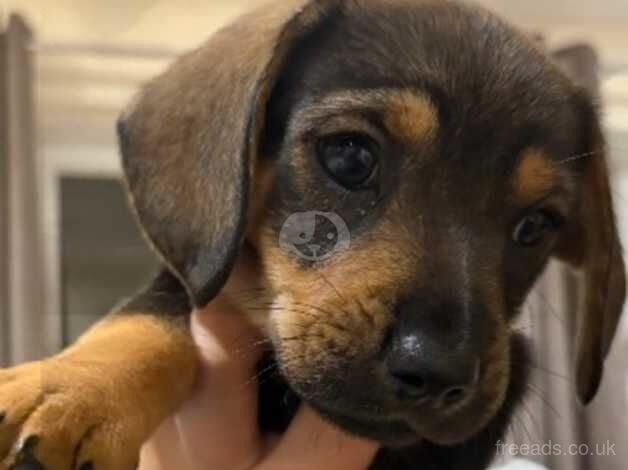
x: 534, y: 227
x: 350, y: 159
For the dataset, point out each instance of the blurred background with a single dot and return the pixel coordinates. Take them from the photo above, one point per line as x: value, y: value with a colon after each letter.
x: 69, y: 250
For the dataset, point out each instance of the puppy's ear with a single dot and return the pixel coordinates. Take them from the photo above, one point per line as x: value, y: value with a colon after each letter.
x: 591, y: 242
x: 190, y: 141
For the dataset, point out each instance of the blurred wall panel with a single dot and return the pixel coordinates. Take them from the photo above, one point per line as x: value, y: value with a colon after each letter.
x: 23, y: 300
x: 4, y: 215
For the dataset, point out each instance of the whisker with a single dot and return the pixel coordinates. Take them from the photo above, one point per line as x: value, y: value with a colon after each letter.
x: 258, y: 375
x: 250, y: 347
x: 613, y: 150
x: 322, y: 276
x: 306, y: 305
x: 321, y: 319
x: 301, y: 337
x: 270, y: 374
x: 283, y: 309
x: 553, y: 374
x: 315, y: 307
x: 286, y: 310
x: 551, y: 308
x: 533, y: 421
x: 273, y: 306
x: 580, y: 156
x: 521, y: 424
x: 538, y: 394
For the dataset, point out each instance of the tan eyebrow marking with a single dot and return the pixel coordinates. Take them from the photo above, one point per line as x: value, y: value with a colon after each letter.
x: 406, y: 114
x: 535, y: 176
x: 412, y: 117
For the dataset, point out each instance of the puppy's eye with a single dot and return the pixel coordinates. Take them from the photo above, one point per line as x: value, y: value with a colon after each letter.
x: 350, y: 159
x: 534, y: 227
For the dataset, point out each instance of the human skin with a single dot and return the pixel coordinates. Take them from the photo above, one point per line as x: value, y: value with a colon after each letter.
x: 217, y: 426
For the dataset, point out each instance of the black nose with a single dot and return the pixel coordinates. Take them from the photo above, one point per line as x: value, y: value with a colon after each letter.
x: 431, y: 354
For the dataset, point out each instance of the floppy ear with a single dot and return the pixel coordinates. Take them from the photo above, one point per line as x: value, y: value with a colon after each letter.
x: 591, y: 242
x: 190, y: 140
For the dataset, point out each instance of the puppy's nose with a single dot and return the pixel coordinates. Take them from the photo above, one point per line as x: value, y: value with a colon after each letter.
x: 429, y: 357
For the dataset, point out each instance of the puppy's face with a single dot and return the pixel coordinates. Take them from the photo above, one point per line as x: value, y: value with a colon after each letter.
x: 441, y: 140
x: 404, y: 170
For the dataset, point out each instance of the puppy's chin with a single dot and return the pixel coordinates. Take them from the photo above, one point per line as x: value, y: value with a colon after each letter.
x: 402, y: 429
x: 395, y: 432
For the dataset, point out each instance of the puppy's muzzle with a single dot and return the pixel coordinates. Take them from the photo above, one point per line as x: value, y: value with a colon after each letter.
x: 431, y: 355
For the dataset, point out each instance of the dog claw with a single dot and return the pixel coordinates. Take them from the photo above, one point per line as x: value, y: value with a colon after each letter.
x: 25, y: 459
x: 27, y: 445
x: 2, y: 416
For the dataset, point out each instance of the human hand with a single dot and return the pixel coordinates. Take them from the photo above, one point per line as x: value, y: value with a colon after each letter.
x: 217, y: 427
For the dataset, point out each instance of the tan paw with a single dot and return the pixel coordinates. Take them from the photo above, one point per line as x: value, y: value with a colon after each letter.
x: 62, y: 414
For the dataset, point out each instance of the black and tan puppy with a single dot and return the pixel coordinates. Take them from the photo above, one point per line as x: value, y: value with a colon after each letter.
x: 457, y: 156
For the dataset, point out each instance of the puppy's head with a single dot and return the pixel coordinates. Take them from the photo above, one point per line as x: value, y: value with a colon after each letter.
x: 403, y: 171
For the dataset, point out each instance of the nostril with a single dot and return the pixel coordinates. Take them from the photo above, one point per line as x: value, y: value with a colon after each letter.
x: 413, y: 386
x: 414, y: 381
x: 453, y: 395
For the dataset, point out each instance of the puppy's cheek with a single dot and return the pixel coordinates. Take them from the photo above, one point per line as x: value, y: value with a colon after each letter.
x: 331, y: 316
x: 317, y: 338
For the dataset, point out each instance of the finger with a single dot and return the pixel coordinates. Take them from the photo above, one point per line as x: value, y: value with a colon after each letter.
x: 311, y: 444
x: 226, y: 338
x: 217, y: 426
x: 226, y: 389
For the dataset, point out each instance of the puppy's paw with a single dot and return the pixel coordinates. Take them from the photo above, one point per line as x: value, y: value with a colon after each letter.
x: 61, y: 414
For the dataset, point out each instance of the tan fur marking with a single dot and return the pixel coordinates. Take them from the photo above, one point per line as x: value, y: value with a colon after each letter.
x: 535, y: 176
x: 329, y: 307
x: 412, y: 117
x: 338, y: 302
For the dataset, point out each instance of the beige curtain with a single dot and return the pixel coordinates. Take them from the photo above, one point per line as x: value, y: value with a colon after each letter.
x: 592, y: 438
x: 21, y: 265
x: 574, y: 438
x: 4, y: 208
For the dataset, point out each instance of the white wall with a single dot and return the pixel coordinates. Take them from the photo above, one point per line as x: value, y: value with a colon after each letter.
x: 182, y: 24
x: 154, y: 31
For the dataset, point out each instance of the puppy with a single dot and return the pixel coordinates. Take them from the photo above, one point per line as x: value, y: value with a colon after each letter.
x: 459, y: 159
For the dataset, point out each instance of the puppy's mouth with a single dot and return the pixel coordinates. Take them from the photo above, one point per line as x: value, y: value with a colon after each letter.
x: 405, y: 425
x: 280, y: 402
